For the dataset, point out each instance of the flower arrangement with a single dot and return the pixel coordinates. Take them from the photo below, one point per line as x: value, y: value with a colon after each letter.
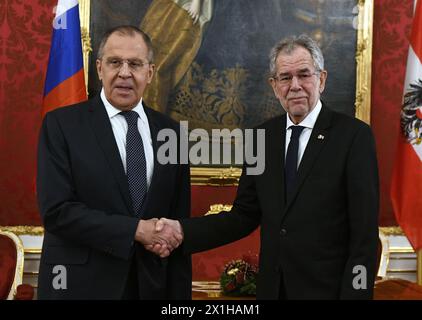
x: 239, y: 277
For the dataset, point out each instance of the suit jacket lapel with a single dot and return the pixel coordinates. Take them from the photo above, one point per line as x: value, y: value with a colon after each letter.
x: 154, y: 129
x: 275, y: 157
x: 105, y: 137
x: 317, y: 140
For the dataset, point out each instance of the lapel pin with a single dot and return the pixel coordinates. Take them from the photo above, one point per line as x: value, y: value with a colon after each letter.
x: 321, y: 137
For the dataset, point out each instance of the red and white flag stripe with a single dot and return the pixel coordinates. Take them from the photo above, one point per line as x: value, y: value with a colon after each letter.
x: 406, y: 187
x: 414, y: 59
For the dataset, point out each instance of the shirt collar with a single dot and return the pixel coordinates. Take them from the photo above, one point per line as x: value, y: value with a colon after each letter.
x: 310, y: 119
x: 113, y: 111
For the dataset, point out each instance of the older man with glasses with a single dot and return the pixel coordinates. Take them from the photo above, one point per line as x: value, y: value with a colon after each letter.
x: 101, y: 188
x: 317, y: 200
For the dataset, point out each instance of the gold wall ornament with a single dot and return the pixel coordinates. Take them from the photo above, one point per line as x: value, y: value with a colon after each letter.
x: 218, y: 103
x: 86, y: 50
x: 217, y: 208
x: 392, y: 231
x: 364, y: 60
x: 84, y: 16
x: 215, y: 176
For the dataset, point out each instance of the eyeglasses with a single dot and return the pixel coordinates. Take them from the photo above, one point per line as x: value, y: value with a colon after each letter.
x: 134, y: 65
x: 302, y: 77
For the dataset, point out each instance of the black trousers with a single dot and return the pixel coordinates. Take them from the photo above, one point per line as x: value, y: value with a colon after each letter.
x: 131, y: 291
x: 282, y: 295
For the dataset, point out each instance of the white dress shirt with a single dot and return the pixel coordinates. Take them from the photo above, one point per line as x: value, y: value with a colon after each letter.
x: 308, y: 123
x: 119, y: 126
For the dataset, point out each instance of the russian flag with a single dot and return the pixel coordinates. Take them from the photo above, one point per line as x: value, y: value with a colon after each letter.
x: 65, y: 82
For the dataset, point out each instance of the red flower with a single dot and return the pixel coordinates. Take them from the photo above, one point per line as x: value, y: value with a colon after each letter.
x: 230, y: 287
x: 240, y: 277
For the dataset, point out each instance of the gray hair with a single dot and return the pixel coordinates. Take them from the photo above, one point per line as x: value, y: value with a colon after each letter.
x: 127, y: 30
x: 288, y: 45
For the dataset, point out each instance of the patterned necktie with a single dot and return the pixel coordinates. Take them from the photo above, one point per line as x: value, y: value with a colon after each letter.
x: 290, y: 168
x: 136, y: 169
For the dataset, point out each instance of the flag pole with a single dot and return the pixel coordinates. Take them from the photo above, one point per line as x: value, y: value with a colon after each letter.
x: 419, y: 266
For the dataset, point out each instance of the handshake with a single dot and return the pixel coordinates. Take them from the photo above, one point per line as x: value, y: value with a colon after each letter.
x: 160, y: 236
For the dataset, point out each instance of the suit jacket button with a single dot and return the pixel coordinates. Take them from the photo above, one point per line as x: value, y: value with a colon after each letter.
x: 283, y: 232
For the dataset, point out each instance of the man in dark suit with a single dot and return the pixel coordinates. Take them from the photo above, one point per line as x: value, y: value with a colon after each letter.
x: 99, y: 185
x: 317, y: 200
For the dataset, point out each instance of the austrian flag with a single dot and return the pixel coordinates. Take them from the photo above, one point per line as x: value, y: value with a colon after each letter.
x: 406, y: 187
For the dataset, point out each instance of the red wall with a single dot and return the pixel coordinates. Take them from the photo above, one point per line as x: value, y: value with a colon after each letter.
x: 392, y: 22
x: 209, y: 265
x: 25, y: 29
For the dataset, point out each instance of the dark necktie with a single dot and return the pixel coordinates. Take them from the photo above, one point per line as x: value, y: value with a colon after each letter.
x: 290, y: 168
x: 136, y: 167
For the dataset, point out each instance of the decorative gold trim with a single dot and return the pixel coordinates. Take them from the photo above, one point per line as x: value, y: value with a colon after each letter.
x: 364, y: 60
x: 385, y: 254
x: 215, y: 176
x: 19, y: 263
x: 401, y: 271
x: 24, y: 230
x: 84, y: 15
x: 217, y: 208
x: 33, y: 251
x: 206, y: 284
x: 211, y: 288
x: 401, y: 250
x: 392, y: 231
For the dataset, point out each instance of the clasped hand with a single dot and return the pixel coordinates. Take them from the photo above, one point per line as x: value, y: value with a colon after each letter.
x: 160, y: 236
